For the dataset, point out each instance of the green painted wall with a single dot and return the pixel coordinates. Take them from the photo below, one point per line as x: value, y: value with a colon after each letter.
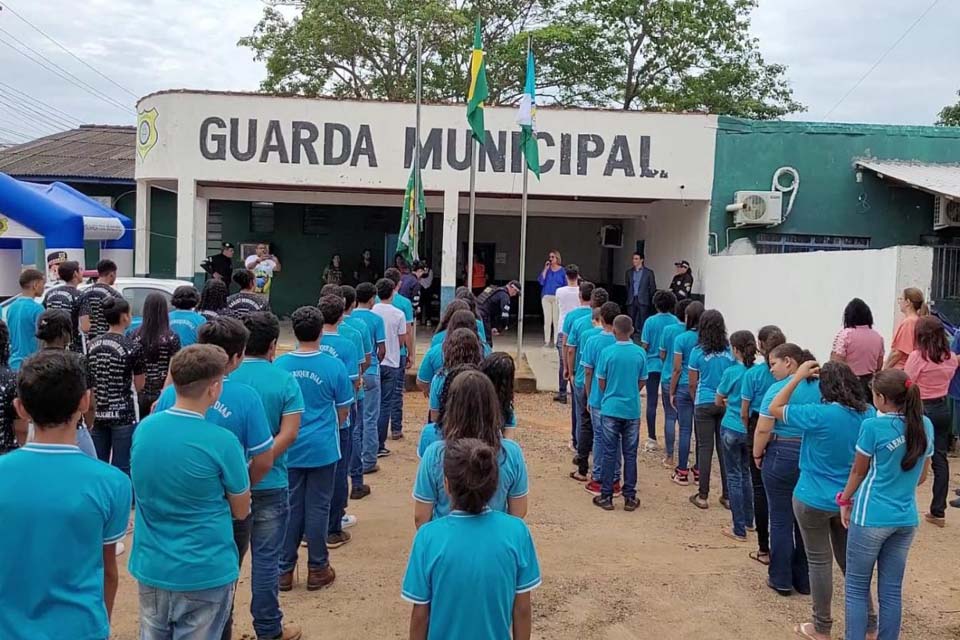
x: 830, y: 201
x: 163, y: 234
x: 349, y: 231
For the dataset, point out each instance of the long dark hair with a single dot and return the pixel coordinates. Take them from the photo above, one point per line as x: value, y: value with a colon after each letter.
x: 694, y: 311
x: 451, y: 375
x: 712, y: 334
x: 472, y: 410
x: 452, y: 307
x: 931, y: 339
x: 895, y: 386
x: 156, y: 322
x: 500, y: 368
x: 472, y: 473
x: 792, y: 351
x: 770, y: 337
x: 744, y: 342
x: 55, y: 326
x: 857, y: 314
x: 4, y: 344
x: 214, y: 296
x: 839, y: 384
x: 461, y: 346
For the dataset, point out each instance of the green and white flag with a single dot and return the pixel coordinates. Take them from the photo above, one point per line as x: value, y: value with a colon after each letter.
x: 411, y: 222
x: 527, y: 119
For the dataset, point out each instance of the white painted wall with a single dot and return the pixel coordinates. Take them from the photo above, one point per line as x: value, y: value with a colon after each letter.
x: 676, y: 231
x: 805, y: 293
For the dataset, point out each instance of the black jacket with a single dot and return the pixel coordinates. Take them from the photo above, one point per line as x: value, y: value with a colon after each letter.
x: 493, y: 305
x: 648, y: 286
x: 682, y: 286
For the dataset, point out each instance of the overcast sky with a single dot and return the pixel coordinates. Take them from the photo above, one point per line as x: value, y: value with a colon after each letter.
x: 148, y: 45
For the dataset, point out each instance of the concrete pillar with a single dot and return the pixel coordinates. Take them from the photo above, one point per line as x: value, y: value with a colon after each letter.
x: 187, y: 262
x: 448, y: 256
x: 200, y: 209
x: 142, y: 236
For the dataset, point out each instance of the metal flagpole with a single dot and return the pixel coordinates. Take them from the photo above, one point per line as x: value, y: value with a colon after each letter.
x: 468, y: 260
x: 523, y: 246
x: 416, y: 161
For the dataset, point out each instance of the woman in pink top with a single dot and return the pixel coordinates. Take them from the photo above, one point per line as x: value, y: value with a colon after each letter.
x: 858, y: 345
x: 931, y: 367
x: 913, y: 307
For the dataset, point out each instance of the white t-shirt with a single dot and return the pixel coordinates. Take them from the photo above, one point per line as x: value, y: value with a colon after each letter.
x: 395, y: 325
x: 568, y: 299
x: 262, y: 272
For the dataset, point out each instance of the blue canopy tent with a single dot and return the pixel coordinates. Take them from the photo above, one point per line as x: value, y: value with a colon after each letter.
x: 63, y: 218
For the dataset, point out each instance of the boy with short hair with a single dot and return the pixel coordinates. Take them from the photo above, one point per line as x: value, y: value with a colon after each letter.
x: 408, y: 353
x: 190, y: 479
x: 21, y: 317
x: 63, y: 512
x: 247, y: 300
x: 92, y: 321
x: 391, y: 367
x: 584, y: 424
x: 312, y: 459
x: 589, y: 356
x: 664, y: 302
x: 184, y: 318
x: 568, y: 353
x: 358, y: 490
x: 568, y: 299
x: 621, y: 372
x: 66, y: 296
x: 366, y: 297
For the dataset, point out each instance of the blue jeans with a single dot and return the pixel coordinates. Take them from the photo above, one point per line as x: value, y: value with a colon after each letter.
x: 85, y: 442
x: 311, y: 490
x: 338, y: 504
x: 788, y: 558
x: 371, y: 416
x: 599, y: 448
x: 887, y: 548
x: 388, y: 392
x: 737, y: 451
x: 669, y: 420
x: 396, y: 413
x: 270, y: 511
x: 620, y: 434
x: 653, y: 391
x: 113, y: 445
x: 685, y: 420
x: 356, y: 443
x: 179, y: 615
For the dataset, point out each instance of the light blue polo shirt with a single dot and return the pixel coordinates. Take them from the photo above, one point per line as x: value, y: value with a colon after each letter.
x: 428, y: 486
x: 729, y: 387
x: 683, y: 344
x: 589, y: 356
x: 378, y: 335
x: 436, y: 388
x: 887, y: 497
x: 578, y: 373
x: 428, y: 436
x: 345, y: 350
x: 573, y: 317
x: 185, y: 323
x: 830, y: 433
x: 652, y: 330
x: 581, y: 323
x: 404, y: 304
x: 59, y: 508
x: 710, y: 366
x: 807, y: 393
x: 756, y: 381
x: 21, y: 318
x: 183, y: 467
x: 366, y: 340
x: 432, y: 361
x: 469, y: 569
x: 622, y: 366
x: 281, y: 396
x: 326, y: 387
x: 440, y: 336
x: 238, y: 410
x: 355, y: 336
x: 667, y: 337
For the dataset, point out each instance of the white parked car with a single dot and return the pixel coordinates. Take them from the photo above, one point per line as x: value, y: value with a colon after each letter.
x: 134, y: 290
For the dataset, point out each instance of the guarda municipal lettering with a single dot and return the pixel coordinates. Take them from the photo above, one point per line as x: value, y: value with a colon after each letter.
x: 333, y: 143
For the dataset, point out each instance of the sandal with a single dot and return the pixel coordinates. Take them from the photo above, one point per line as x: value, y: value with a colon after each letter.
x: 579, y: 477
x: 760, y: 556
x: 805, y: 630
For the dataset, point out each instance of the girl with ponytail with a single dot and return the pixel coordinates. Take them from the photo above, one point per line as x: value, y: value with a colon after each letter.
x: 879, y: 504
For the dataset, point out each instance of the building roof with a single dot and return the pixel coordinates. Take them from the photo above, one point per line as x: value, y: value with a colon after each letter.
x: 91, y: 152
x: 938, y: 179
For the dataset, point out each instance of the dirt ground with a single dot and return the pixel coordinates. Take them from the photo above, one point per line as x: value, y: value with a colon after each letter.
x: 661, y: 572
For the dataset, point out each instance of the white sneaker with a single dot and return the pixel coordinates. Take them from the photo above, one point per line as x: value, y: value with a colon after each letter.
x: 121, y: 548
x: 650, y: 445
x: 348, y: 521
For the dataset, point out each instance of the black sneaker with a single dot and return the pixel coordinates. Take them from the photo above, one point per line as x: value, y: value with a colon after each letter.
x: 955, y: 503
x: 631, y: 504
x: 359, y: 492
x: 383, y: 452
x: 605, y: 503
x: 560, y: 398
x: 375, y: 468
x: 725, y: 503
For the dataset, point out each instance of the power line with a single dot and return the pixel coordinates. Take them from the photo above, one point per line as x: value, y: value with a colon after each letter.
x: 60, y: 72
x: 28, y: 111
x: 71, y: 53
x: 881, y: 59
x: 14, y: 133
x: 26, y: 97
x: 36, y: 128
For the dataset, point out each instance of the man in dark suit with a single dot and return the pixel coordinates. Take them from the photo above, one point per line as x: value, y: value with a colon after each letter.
x: 641, y: 285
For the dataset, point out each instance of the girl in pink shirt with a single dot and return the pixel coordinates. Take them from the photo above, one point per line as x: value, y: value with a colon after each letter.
x: 858, y: 345
x: 913, y: 307
x: 931, y: 367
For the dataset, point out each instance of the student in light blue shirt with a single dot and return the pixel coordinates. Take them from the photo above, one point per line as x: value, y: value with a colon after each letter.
x: 408, y: 354
x: 433, y: 431
x: 589, y: 355
x: 708, y: 360
x: 621, y: 373
x: 312, y: 458
x: 189, y: 477
x: 568, y: 353
x: 664, y: 302
x: 21, y: 317
x: 185, y: 320
x: 358, y: 489
x: 461, y: 347
x: 879, y: 503
x: 665, y: 348
x: 63, y: 513
x: 432, y: 361
x: 779, y: 462
x: 470, y: 574
x: 501, y: 370
x: 370, y: 442
x: 830, y: 431
x: 680, y: 395
x: 471, y: 411
x: 579, y: 394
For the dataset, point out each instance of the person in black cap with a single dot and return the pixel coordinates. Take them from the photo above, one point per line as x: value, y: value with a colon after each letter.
x: 493, y: 306
x: 220, y: 266
x: 682, y: 283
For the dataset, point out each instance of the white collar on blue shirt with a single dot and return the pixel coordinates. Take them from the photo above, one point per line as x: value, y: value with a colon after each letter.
x: 40, y: 447
x: 459, y: 513
x: 186, y: 413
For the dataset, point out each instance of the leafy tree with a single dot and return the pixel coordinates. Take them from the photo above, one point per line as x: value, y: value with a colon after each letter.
x: 950, y: 115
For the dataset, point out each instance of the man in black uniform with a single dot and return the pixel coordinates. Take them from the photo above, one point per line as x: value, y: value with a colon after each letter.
x: 220, y: 266
x: 66, y: 296
x: 493, y: 305
x: 682, y: 283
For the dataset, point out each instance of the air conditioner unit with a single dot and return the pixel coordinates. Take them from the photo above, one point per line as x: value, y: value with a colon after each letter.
x: 946, y: 213
x: 757, y: 208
